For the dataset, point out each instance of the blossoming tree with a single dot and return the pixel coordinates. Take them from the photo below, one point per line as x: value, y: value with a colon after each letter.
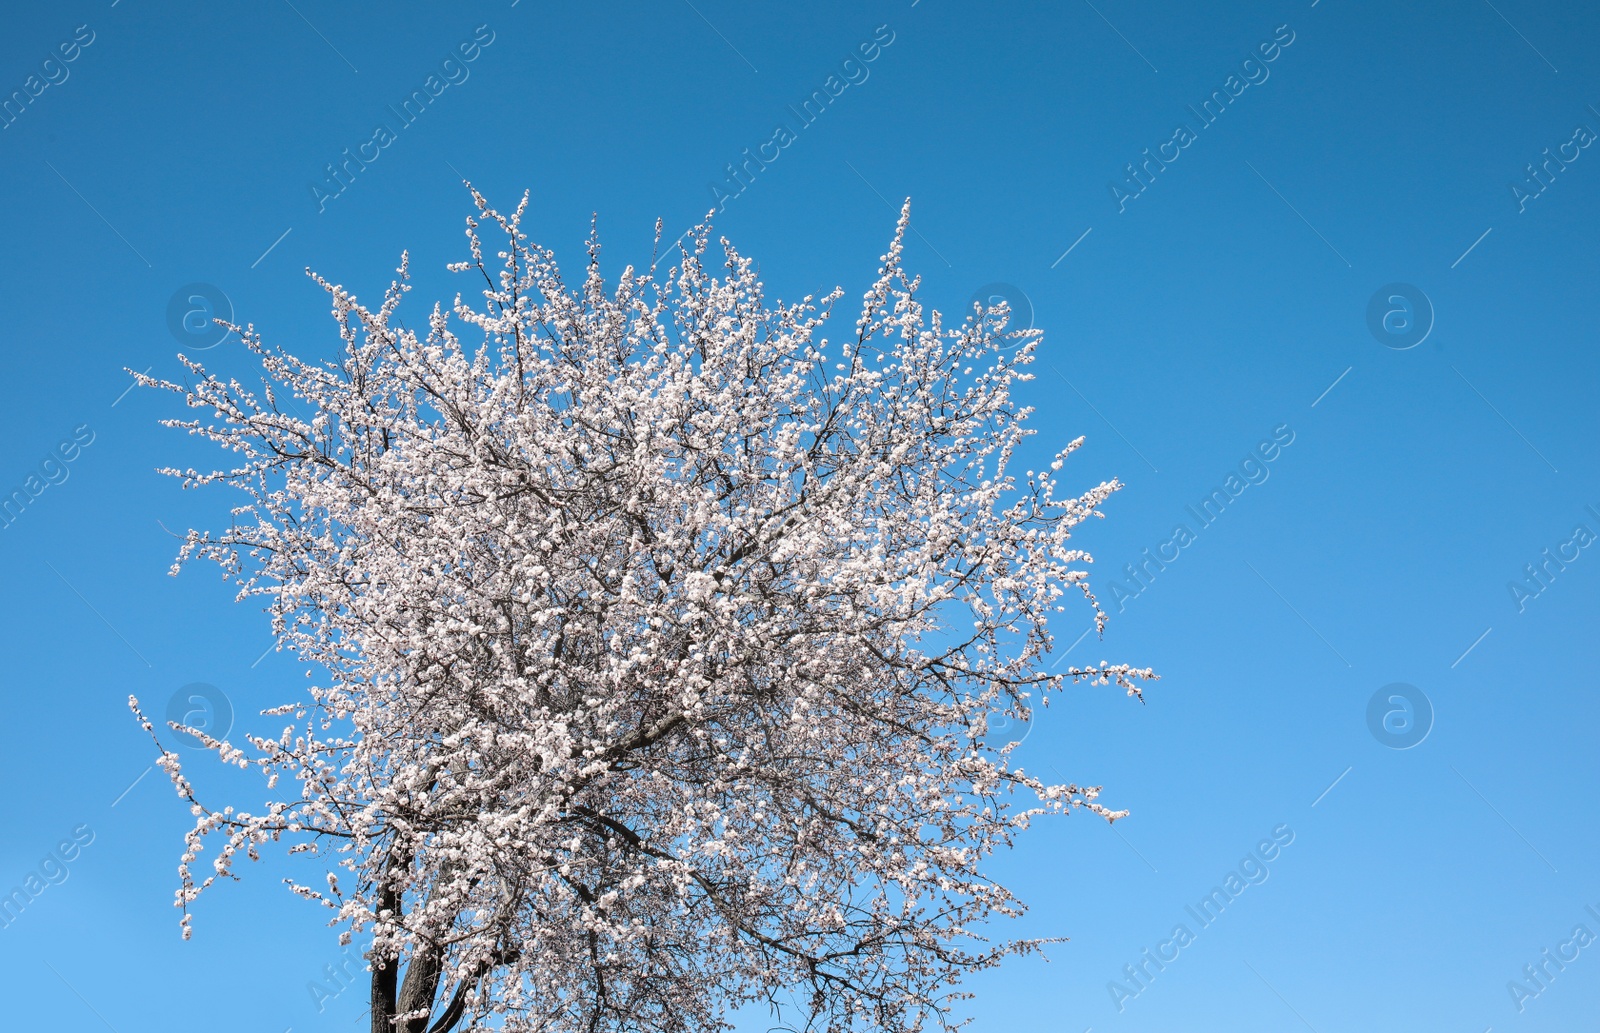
x: 655, y: 636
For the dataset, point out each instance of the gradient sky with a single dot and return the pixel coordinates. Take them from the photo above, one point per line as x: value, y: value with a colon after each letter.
x: 189, y: 144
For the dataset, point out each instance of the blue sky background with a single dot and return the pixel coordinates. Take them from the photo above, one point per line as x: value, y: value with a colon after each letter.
x: 181, y: 146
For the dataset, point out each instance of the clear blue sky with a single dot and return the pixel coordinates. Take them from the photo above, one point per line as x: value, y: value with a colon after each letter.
x: 1230, y: 298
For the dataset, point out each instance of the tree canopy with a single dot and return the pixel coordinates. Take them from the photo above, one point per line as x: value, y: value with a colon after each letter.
x: 652, y: 639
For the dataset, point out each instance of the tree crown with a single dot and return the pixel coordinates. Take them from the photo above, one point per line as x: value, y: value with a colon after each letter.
x: 657, y: 635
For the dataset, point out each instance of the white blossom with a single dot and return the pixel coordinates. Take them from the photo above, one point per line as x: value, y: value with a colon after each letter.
x: 649, y: 634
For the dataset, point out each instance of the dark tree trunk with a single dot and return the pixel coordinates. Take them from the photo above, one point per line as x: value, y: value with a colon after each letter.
x: 420, y: 986
x: 385, y: 980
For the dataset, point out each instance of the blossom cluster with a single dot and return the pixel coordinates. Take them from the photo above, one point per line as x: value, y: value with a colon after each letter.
x: 652, y: 636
